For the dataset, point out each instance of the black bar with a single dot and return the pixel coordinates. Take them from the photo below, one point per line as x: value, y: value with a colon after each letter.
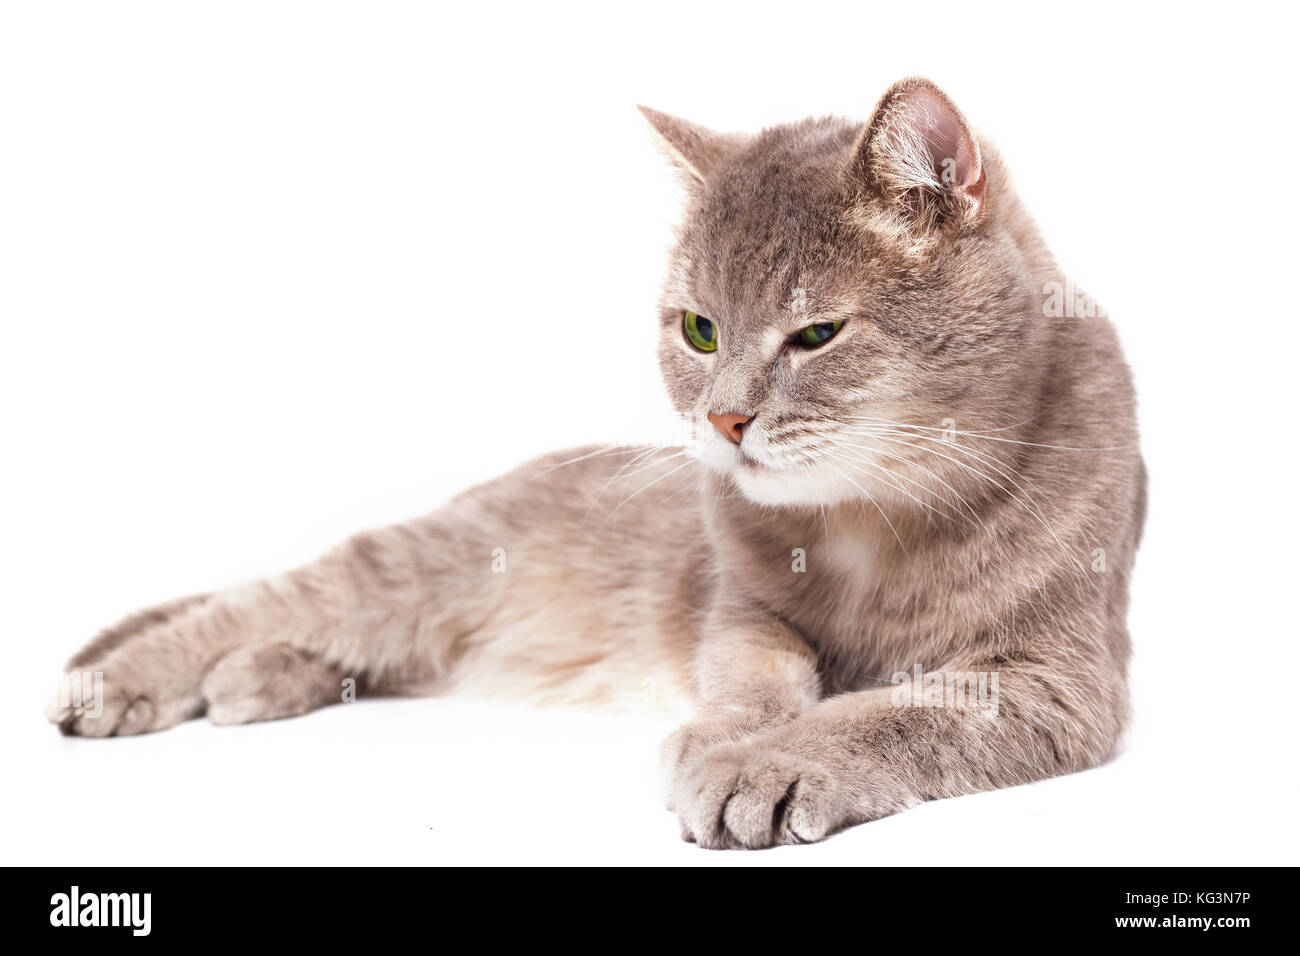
x: 931, y: 906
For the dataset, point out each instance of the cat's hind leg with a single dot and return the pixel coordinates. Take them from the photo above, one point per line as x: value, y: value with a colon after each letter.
x: 268, y: 682
x: 383, y: 609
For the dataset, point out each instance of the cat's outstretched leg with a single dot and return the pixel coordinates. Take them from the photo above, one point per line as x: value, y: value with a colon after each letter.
x: 176, y: 662
x: 374, y: 610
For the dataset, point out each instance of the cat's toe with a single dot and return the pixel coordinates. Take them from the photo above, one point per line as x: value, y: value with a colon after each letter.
x: 102, y: 715
x: 685, y: 745
x: 63, y: 716
x: 108, y: 707
x: 755, y: 814
x: 752, y: 797
x: 814, y: 808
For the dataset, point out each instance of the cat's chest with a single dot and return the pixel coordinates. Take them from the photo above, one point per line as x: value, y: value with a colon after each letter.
x: 836, y: 597
x: 869, y: 610
x: 844, y: 582
x: 853, y: 562
x: 832, y: 588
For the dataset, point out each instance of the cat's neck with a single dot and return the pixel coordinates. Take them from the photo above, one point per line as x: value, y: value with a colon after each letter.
x: 849, y: 535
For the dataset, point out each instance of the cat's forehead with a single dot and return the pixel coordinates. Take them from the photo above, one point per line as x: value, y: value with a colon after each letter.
x: 768, y: 245
x: 787, y: 179
x: 767, y: 236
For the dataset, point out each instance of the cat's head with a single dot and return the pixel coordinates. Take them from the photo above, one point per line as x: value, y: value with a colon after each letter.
x: 831, y: 278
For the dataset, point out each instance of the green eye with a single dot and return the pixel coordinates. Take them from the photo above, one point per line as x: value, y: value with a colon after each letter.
x: 815, y: 335
x: 700, y: 332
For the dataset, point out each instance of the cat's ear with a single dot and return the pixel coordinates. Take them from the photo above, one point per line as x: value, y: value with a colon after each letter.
x: 695, y: 150
x: 919, y: 157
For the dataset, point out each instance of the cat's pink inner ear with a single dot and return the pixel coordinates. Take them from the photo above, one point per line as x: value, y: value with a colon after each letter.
x: 918, y: 145
x: 952, y: 147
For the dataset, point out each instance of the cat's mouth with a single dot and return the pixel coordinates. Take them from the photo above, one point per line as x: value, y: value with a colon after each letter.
x: 778, y: 476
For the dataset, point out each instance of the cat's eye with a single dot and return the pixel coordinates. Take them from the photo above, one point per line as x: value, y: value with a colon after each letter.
x: 700, y: 332
x: 815, y: 335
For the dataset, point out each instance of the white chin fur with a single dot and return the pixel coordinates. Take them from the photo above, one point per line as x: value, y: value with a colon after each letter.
x: 794, y: 488
x: 785, y: 487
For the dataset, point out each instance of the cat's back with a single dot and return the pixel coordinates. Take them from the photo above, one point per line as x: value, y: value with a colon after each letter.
x: 618, y: 512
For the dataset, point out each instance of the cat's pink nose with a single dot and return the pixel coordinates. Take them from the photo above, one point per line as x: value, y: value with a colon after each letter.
x: 729, y: 425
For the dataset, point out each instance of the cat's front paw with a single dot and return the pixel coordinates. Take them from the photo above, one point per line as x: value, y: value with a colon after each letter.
x: 755, y: 795
x: 132, y: 678
x: 689, y: 741
x: 116, y: 703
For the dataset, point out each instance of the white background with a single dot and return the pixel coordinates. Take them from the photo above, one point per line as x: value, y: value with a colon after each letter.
x: 274, y: 272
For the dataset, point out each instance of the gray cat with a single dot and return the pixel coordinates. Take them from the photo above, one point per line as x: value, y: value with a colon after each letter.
x: 893, y: 567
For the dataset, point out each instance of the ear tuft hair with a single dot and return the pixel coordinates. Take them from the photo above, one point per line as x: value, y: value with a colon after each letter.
x: 919, y: 157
